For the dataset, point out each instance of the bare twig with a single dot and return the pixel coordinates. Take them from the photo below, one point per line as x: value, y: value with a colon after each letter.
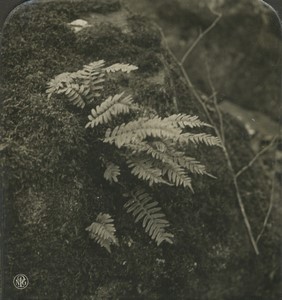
x: 214, y: 97
x: 200, y: 37
x: 271, y: 200
x: 258, y: 155
x: 218, y: 133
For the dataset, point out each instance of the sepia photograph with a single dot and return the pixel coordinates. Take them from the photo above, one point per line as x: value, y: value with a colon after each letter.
x: 141, y: 149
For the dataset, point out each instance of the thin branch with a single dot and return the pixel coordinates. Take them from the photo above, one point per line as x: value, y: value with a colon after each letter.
x: 230, y: 167
x: 215, y: 101
x: 269, y: 208
x: 226, y: 154
x: 258, y: 155
x: 200, y: 37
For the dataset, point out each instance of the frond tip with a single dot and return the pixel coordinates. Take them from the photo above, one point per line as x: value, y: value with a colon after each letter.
x: 143, y: 207
x: 103, y: 231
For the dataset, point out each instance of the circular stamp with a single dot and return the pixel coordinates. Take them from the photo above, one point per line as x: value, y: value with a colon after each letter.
x: 20, y: 281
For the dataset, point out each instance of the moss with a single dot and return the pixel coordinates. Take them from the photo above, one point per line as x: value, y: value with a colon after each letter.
x: 144, y: 33
x: 149, y: 63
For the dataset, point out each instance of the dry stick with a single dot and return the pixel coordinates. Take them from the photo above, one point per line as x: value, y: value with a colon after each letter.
x: 198, y: 98
x: 269, y: 208
x: 260, y: 153
x: 201, y: 35
x: 214, y: 97
x: 229, y: 164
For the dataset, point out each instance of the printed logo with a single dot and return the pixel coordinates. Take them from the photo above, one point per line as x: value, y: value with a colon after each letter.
x: 20, y: 281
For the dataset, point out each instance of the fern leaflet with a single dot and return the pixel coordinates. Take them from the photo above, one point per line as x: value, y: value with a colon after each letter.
x: 144, y: 169
x: 183, y: 120
x: 103, y: 231
x: 126, y: 68
x: 112, y: 106
x: 92, y: 76
x: 198, y: 138
x: 142, y: 207
x: 112, y: 172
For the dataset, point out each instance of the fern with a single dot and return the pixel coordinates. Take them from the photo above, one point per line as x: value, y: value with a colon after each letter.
x: 191, y: 164
x: 144, y: 169
x: 58, y: 83
x: 86, y: 84
x: 177, y: 175
x: 198, y: 138
x: 136, y: 131
x: 142, y: 207
x: 93, y: 76
x: 183, y: 120
x: 112, y: 172
x: 103, y: 231
x: 112, y: 106
x: 75, y: 94
x: 126, y: 68
x: 65, y: 84
x: 153, y: 146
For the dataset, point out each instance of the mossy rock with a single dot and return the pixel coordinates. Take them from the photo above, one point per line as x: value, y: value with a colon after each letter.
x: 54, y: 186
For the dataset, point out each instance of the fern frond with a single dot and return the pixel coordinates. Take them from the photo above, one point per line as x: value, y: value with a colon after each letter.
x: 93, y: 76
x: 60, y: 82
x: 112, y: 172
x: 177, y: 175
x: 111, y: 107
x: 183, y: 120
x: 190, y: 164
x: 173, y: 164
x: 136, y: 131
x: 103, y: 231
x: 126, y: 68
x: 198, y: 138
x: 144, y: 169
x: 143, y: 207
x: 91, y: 70
x: 75, y: 94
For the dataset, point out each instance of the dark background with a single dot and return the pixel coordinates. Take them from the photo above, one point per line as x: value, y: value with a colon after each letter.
x: 7, y: 5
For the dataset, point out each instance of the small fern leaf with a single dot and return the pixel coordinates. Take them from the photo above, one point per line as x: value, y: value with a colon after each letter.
x: 111, y: 107
x: 103, y: 231
x: 198, y: 138
x: 126, y: 68
x: 92, y: 70
x: 144, y: 208
x: 59, y: 83
x: 183, y: 120
x: 136, y: 131
x: 112, y: 172
x: 93, y: 76
x: 74, y: 94
x: 144, y: 169
x: 177, y: 175
x: 190, y: 164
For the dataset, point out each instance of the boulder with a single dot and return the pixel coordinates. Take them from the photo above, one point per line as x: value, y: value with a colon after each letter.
x: 54, y: 186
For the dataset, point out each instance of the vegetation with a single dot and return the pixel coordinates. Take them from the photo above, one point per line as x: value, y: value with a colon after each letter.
x: 151, y: 146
